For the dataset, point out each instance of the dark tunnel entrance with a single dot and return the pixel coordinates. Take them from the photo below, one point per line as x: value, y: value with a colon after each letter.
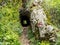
x: 25, y: 17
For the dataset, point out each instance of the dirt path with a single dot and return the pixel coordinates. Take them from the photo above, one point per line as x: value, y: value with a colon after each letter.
x: 24, y: 37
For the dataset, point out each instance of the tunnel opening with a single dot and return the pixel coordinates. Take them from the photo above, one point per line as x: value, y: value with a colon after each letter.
x: 25, y: 17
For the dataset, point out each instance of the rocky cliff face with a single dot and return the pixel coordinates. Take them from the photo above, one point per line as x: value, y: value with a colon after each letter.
x: 38, y: 23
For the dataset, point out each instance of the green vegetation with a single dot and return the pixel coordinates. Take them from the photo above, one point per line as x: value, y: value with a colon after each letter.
x: 9, y: 22
x: 52, y: 9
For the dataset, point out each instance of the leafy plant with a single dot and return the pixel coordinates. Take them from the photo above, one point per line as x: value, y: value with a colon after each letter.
x: 9, y: 22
